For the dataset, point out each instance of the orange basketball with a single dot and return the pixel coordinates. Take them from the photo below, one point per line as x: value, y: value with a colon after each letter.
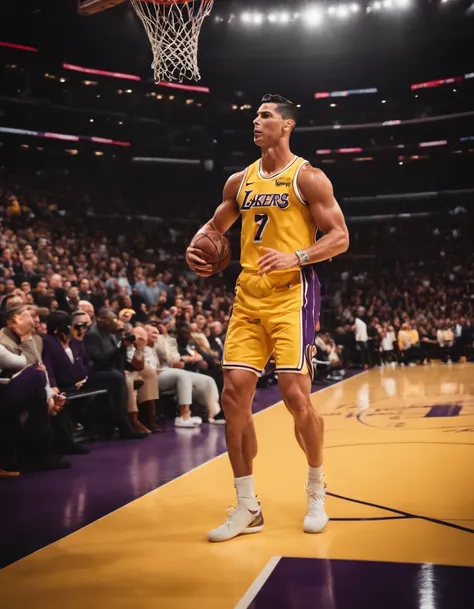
x: 214, y: 248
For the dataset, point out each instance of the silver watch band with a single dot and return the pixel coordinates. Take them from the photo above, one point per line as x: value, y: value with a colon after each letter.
x: 302, y: 256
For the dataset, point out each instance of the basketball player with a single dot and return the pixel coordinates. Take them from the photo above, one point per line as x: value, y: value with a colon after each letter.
x: 282, y: 201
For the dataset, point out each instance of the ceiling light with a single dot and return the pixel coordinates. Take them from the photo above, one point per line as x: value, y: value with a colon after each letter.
x: 257, y: 18
x: 313, y: 16
x: 246, y: 17
x: 272, y: 17
x: 284, y: 17
x: 342, y: 11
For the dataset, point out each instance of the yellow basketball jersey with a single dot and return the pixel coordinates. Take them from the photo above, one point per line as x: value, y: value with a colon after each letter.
x: 274, y: 213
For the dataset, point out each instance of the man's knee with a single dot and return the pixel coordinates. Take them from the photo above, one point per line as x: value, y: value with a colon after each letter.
x: 238, y: 392
x: 149, y: 374
x: 295, y: 394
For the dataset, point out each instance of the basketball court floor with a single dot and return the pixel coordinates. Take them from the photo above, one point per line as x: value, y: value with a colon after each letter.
x: 400, y: 472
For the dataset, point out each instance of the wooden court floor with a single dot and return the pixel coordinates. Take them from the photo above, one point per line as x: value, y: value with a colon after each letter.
x: 400, y: 468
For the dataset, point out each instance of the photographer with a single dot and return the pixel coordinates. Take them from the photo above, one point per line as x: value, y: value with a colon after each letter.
x: 106, y: 347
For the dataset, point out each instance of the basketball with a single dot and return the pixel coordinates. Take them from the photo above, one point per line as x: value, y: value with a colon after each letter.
x: 214, y: 248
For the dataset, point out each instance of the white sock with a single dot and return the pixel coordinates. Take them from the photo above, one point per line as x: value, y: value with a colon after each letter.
x: 245, y: 492
x: 315, y: 476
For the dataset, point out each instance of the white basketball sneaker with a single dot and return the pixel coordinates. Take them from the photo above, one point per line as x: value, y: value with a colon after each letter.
x: 316, y: 518
x: 240, y: 521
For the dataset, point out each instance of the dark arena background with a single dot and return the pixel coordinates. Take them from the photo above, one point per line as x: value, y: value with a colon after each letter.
x: 108, y: 486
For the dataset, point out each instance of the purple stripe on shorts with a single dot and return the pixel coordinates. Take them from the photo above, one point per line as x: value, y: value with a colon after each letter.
x: 311, y: 310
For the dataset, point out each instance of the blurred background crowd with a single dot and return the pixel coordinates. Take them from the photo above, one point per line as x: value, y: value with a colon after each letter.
x: 105, y: 176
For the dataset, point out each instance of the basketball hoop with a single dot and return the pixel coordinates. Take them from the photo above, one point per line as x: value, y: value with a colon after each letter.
x: 173, y: 28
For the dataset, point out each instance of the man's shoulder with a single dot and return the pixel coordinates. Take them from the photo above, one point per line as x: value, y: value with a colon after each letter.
x: 5, y: 339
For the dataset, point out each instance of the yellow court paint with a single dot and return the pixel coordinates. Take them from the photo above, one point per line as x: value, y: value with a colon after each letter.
x: 397, y: 438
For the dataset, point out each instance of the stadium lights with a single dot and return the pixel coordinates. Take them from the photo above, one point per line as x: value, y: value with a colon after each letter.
x: 257, y: 18
x: 313, y: 16
x: 342, y: 11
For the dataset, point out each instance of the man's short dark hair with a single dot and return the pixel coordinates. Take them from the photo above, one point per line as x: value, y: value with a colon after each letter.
x: 77, y: 313
x: 285, y: 107
x: 58, y: 320
x: 104, y: 312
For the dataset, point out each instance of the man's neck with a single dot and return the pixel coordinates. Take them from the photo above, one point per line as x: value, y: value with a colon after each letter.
x: 275, y: 158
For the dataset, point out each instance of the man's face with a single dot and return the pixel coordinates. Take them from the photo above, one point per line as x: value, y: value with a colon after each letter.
x: 87, y: 307
x: 22, y: 323
x: 56, y: 282
x: 41, y: 287
x: 216, y: 328
x: 9, y: 286
x: 28, y: 266
x: 84, y: 285
x: 184, y: 333
x: 270, y: 126
x: 108, y: 322
x: 153, y: 334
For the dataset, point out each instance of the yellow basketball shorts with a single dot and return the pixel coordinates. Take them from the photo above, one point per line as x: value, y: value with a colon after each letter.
x: 273, y: 314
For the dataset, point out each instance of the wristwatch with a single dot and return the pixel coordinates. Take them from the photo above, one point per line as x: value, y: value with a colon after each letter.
x: 302, y: 257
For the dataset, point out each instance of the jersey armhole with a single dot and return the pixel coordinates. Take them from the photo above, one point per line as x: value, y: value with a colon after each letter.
x: 241, y: 186
x: 298, y: 194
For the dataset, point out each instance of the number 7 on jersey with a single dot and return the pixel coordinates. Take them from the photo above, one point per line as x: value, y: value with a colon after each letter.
x: 262, y: 221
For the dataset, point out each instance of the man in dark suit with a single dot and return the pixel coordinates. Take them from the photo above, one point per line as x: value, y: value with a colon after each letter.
x: 107, y: 352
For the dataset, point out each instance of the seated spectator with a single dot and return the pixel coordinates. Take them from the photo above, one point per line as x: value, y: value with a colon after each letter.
x: 27, y: 401
x: 106, y: 347
x: 187, y: 386
x: 146, y: 396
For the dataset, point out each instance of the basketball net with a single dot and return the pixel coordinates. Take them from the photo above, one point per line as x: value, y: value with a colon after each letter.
x: 173, y: 28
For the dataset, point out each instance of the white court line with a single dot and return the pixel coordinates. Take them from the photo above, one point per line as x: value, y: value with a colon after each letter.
x: 258, y: 583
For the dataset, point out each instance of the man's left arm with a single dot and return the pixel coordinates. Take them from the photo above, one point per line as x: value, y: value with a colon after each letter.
x: 327, y: 215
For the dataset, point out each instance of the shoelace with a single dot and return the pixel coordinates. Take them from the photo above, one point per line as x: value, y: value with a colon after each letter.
x: 231, y: 510
x: 317, y: 498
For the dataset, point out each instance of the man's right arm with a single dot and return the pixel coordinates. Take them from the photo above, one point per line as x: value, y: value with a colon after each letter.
x: 224, y: 217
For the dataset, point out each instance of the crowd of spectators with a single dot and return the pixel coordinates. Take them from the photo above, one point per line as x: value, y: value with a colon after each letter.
x: 105, y: 330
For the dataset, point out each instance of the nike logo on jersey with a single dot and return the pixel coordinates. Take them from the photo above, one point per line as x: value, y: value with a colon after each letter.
x: 248, y: 183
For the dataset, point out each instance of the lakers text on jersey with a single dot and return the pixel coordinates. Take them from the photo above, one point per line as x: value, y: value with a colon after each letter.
x: 274, y: 314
